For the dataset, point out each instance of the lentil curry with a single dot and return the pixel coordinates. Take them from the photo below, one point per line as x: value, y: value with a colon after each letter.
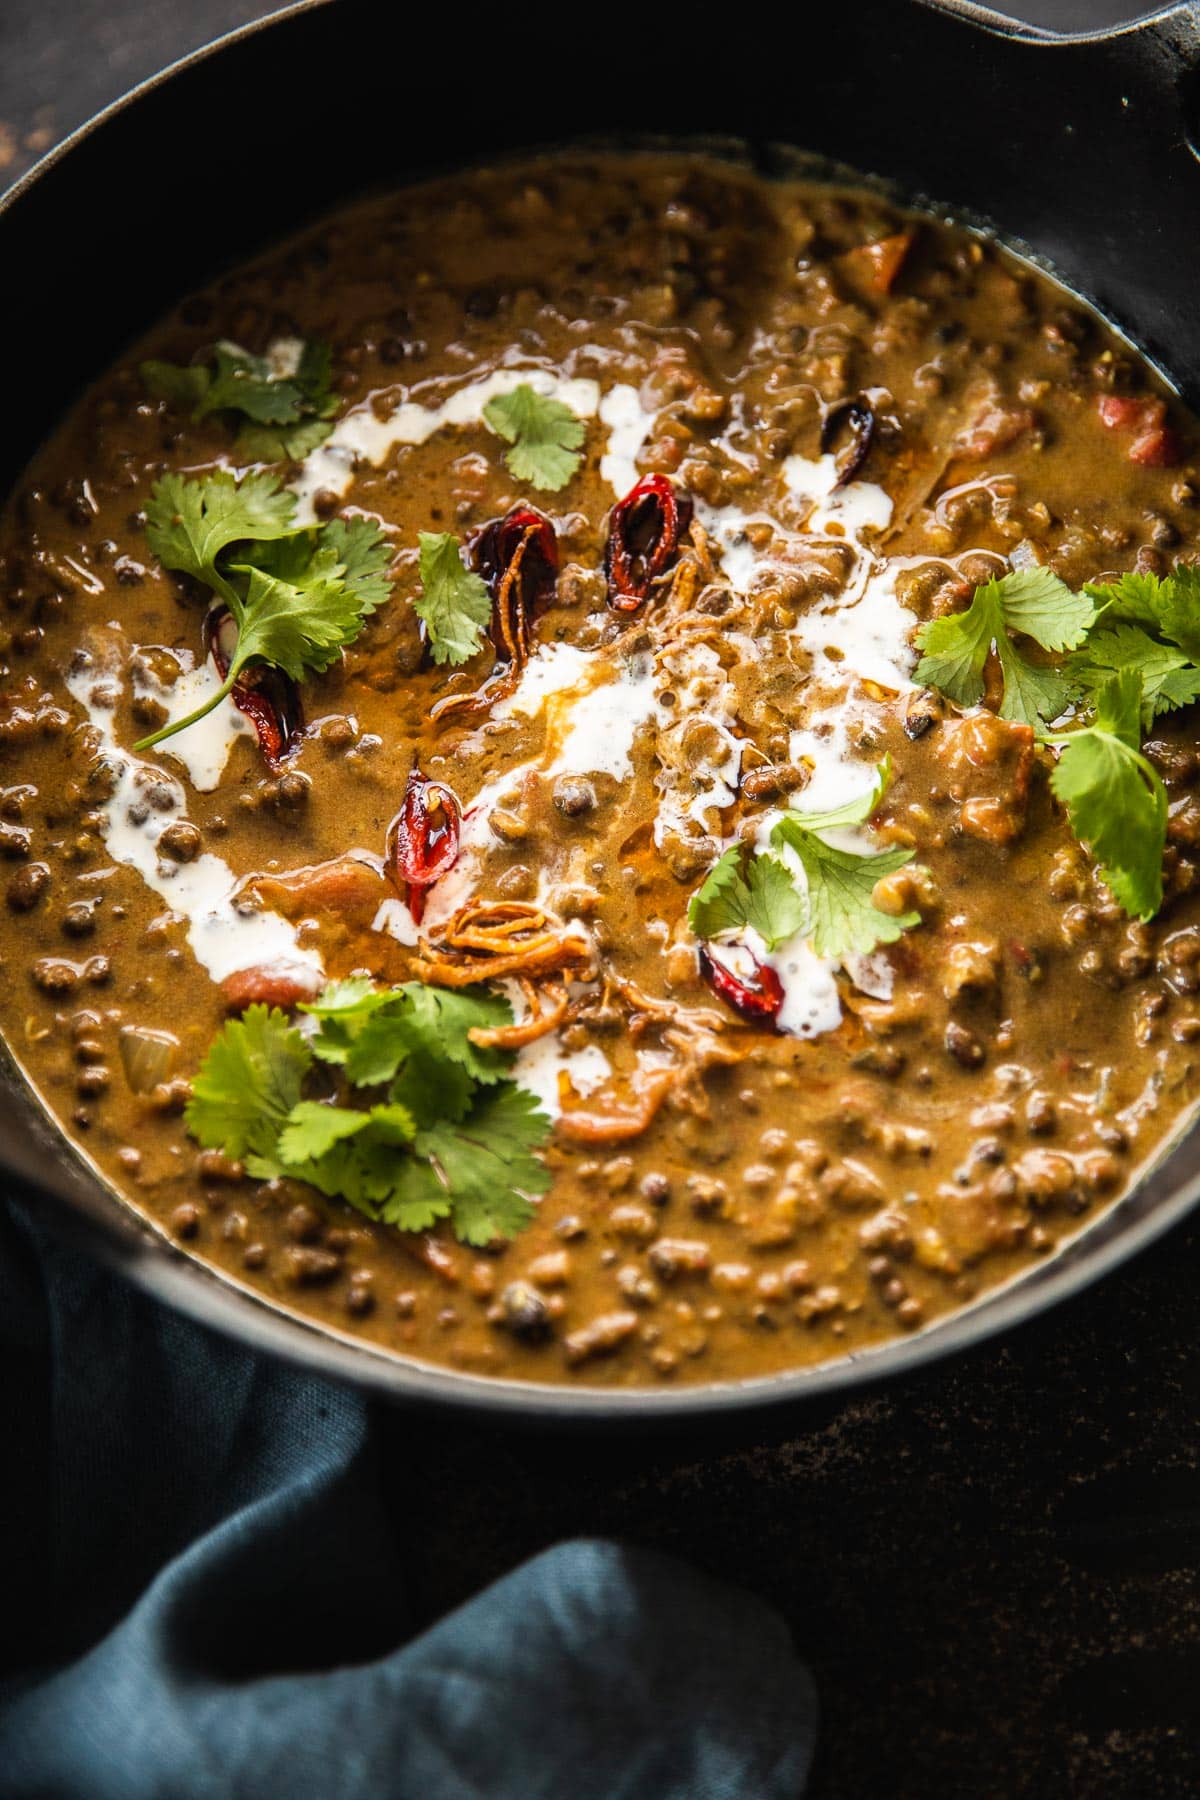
x: 696, y: 681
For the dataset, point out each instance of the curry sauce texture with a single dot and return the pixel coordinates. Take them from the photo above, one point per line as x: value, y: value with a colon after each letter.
x: 777, y: 947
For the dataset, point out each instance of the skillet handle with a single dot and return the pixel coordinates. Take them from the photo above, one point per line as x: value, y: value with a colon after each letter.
x: 1065, y: 21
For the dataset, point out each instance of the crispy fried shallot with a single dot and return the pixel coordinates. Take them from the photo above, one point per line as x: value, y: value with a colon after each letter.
x: 608, y: 1120
x: 548, y: 1009
x: 490, y: 940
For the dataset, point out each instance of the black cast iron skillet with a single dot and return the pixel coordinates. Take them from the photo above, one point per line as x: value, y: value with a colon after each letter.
x: 1079, y: 151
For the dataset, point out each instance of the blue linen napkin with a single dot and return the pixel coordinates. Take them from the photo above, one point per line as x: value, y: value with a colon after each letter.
x: 204, y: 1595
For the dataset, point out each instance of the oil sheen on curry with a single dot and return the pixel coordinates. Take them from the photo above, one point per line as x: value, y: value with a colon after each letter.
x: 599, y: 772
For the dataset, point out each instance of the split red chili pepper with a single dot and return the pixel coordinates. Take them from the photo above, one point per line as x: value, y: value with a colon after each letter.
x: 644, y: 530
x: 517, y: 556
x: 423, y: 838
x: 758, y: 1000
x: 852, y: 423
x: 267, y: 697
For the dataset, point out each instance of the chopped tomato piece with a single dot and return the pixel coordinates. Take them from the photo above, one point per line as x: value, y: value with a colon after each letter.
x: 1156, y: 449
x: 271, y: 984
x: 995, y: 429
x: 874, y: 267
x: 1157, y: 444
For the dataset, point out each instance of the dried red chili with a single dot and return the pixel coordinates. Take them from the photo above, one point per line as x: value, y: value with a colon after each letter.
x: 855, y: 421
x: 758, y: 999
x: 517, y: 556
x: 644, y: 530
x: 265, y: 696
x: 423, y: 838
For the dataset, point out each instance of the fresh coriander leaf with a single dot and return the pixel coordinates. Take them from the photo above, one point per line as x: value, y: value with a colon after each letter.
x: 488, y: 1164
x: 447, y: 1016
x: 417, y: 1197
x: 242, y: 382
x: 359, y: 1164
x: 719, y: 903
x: 299, y: 627
x: 1033, y: 602
x: 1132, y: 598
x: 1033, y: 694
x: 1180, y: 612
x: 1167, y: 604
x: 189, y: 523
x: 342, y: 1009
x: 297, y: 596
x: 381, y: 1045
x: 430, y: 1088
x: 285, y: 415
x: 842, y: 918
x: 1168, y: 679
x: 764, y: 899
x: 454, y: 602
x: 281, y: 443
x: 776, y: 911
x: 248, y: 1083
x: 373, y: 1034
x: 1039, y: 605
x: 179, y: 384
x: 479, y: 1171
x: 312, y: 1129
x: 545, y: 436
x: 453, y: 1140
x: 363, y: 555
x: 1119, y: 709
x: 1114, y: 796
x: 957, y: 646
x: 314, y: 373
x: 357, y: 996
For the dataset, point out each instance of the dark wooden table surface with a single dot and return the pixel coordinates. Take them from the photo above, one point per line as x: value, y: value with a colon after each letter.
x: 993, y: 1568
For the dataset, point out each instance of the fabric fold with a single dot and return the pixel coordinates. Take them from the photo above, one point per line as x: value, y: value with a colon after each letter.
x: 215, y: 1599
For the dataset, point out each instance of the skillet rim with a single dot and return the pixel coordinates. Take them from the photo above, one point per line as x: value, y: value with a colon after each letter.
x: 110, y: 1229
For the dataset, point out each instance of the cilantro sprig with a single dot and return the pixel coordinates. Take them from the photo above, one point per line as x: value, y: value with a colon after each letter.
x: 441, y: 1130
x: 1150, y: 624
x: 545, y: 435
x: 831, y: 905
x: 284, y: 415
x: 1114, y: 796
x: 1028, y: 603
x: 746, y: 890
x: 1132, y: 653
x: 454, y: 602
x: 298, y: 595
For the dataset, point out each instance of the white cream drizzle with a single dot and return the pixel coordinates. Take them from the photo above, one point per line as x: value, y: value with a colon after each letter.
x: 593, y: 709
x: 859, y: 506
x: 204, y: 747
x: 224, y: 935
x: 396, y: 921
x: 629, y: 426
x: 602, y: 725
x: 284, y: 355
x: 541, y: 1066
